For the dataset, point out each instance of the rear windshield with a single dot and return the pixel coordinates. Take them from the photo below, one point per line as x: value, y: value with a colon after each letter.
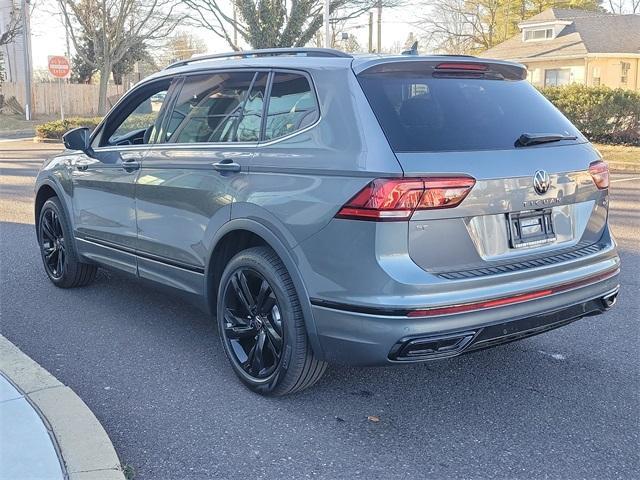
x: 419, y: 113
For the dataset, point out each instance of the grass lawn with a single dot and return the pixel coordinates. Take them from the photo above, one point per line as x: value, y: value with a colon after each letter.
x: 17, y: 123
x: 619, y: 153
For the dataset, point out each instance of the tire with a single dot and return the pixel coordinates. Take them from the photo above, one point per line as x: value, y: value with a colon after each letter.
x: 59, y: 256
x: 268, y: 321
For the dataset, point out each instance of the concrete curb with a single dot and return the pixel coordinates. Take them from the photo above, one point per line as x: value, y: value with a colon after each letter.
x: 82, y: 443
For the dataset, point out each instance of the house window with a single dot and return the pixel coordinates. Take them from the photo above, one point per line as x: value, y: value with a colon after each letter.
x: 595, y: 77
x: 556, y: 77
x: 624, y: 71
x: 540, y: 34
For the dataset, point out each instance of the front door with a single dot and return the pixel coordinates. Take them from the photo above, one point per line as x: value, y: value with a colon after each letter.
x: 104, y: 182
x: 191, y: 177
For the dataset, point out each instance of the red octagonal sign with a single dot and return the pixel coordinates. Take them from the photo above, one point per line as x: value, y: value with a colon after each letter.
x: 59, y: 66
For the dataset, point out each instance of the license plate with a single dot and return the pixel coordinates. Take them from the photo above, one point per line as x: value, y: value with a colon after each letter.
x: 530, y: 228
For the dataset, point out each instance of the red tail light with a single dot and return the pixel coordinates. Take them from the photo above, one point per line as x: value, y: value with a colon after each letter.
x: 599, y: 171
x: 389, y: 199
x: 477, y: 67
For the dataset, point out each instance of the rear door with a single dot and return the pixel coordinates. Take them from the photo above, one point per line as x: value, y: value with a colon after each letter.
x: 465, y: 118
x: 190, y: 178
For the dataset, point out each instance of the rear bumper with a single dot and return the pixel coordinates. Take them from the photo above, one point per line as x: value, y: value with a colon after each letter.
x: 352, y: 337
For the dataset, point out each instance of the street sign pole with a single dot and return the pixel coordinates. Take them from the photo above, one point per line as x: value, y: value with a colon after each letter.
x: 26, y: 47
x: 61, y: 100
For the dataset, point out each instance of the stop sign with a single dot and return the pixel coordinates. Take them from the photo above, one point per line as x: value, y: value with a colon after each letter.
x: 59, y: 66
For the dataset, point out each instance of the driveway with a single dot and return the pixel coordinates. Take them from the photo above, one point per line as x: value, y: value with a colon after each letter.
x: 565, y: 404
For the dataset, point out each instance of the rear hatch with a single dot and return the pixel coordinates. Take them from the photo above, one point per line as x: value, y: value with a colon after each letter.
x: 534, y: 195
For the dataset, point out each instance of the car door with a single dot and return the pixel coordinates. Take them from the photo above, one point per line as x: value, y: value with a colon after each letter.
x: 190, y: 178
x: 104, y: 181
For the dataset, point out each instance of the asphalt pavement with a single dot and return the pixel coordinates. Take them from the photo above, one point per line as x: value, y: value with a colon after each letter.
x: 565, y: 404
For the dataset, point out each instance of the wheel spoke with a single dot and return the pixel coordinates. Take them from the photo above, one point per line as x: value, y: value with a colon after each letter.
x: 265, y: 291
x: 48, y: 256
x: 59, y: 263
x: 240, y: 333
x: 241, y: 290
x: 273, y: 347
x: 257, y: 362
x: 273, y: 334
x: 47, y: 230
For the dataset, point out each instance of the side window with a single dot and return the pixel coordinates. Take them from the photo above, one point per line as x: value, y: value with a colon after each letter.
x: 209, y: 108
x: 292, y: 105
x: 138, y: 125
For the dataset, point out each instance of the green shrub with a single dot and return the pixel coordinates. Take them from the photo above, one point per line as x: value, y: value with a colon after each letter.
x: 603, y: 114
x: 57, y: 128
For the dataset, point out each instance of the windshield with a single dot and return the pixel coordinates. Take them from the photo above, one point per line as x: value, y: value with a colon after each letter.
x: 419, y: 113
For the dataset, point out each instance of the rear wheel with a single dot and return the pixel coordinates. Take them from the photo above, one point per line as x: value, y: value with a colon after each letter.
x: 60, y: 259
x: 262, y: 327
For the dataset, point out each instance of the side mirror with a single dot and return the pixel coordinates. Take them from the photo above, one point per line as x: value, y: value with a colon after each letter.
x: 78, y: 139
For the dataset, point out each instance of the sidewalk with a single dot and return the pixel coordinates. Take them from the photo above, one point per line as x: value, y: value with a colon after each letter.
x: 46, y: 430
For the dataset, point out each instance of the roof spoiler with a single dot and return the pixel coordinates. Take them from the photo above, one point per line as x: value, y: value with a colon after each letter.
x: 442, y: 67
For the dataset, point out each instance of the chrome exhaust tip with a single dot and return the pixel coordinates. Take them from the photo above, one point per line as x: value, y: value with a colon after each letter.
x: 610, y: 300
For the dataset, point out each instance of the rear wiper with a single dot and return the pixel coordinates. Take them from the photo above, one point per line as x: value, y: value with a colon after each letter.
x: 528, y: 139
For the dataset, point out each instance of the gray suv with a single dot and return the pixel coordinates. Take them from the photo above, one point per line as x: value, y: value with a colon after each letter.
x: 328, y: 208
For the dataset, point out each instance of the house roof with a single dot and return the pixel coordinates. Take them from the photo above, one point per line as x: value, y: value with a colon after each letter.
x: 588, y: 33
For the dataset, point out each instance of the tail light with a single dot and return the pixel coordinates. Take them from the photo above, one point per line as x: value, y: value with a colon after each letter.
x: 394, y: 199
x: 476, y: 67
x: 599, y: 171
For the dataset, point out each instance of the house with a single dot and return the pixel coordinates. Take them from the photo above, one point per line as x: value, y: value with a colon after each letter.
x: 562, y: 46
x: 13, y: 55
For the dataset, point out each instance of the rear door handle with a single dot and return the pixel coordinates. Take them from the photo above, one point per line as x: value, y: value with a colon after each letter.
x: 226, y: 166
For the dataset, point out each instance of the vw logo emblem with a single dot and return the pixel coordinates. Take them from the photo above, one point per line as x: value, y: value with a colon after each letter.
x: 541, y: 182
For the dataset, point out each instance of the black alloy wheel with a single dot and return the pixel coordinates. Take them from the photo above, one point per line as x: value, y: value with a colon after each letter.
x: 52, y: 243
x: 253, y: 323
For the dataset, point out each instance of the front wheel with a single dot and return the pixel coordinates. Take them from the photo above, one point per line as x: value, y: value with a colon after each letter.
x: 261, y: 325
x: 60, y: 259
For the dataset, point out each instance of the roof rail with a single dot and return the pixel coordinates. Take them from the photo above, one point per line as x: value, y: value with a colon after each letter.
x: 266, y: 52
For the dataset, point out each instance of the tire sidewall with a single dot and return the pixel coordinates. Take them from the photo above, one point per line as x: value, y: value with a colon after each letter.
x: 250, y: 259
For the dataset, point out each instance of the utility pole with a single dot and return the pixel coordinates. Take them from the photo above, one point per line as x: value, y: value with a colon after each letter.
x: 370, y: 32
x: 327, y: 29
x: 379, y: 26
x: 26, y: 48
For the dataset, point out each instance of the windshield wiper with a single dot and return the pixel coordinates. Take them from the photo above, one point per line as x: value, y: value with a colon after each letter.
x: 528, y: 139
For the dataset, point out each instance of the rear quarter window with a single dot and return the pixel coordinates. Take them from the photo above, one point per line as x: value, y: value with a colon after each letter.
x: 422, y: 113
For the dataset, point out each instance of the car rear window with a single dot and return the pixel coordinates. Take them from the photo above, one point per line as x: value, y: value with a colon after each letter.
x: 422, y: 113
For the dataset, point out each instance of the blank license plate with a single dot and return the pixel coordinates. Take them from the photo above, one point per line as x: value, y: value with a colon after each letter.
x: 531, y: 227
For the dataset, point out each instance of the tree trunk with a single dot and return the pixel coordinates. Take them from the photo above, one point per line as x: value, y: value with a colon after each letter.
x: 105, y: 73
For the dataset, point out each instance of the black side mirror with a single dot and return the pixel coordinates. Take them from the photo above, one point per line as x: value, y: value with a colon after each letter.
x: 78, y: 139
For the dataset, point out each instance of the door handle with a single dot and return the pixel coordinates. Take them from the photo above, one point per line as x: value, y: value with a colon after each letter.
x: 226, y: 166
x: 130, y: 165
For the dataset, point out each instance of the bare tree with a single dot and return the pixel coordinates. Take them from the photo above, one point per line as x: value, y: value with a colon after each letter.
x: 624, y: 6
x: 276, y: 23
x: 115, y: 26
x: 10, y: 30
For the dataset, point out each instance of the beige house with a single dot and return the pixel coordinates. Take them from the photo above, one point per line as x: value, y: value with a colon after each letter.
x: 576, y: 46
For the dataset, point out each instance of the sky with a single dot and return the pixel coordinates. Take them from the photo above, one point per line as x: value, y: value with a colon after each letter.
x: 48, y: 34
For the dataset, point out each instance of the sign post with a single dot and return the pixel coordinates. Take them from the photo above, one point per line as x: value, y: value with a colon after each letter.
x: 60, y: 68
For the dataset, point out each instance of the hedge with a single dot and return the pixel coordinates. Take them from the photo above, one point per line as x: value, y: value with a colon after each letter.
x: 603, y: 114
x: 57, y: 128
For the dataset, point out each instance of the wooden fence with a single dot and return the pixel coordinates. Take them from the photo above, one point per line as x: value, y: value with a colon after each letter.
x: 79, y: 99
